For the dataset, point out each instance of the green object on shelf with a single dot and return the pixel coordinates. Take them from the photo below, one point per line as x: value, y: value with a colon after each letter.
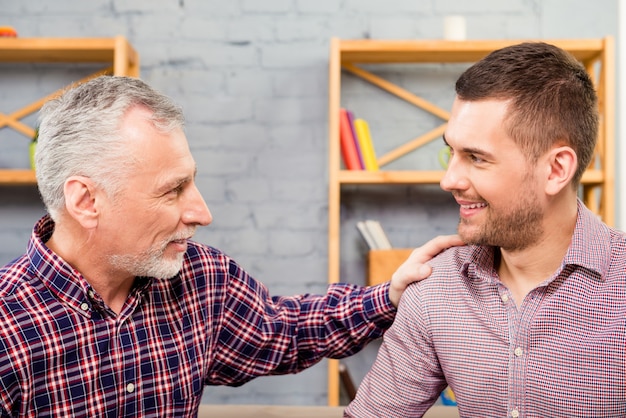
x: 31, y: 153
x: 31, y: 149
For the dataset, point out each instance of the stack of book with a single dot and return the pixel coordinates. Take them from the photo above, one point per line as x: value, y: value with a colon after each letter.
x: 374, y: 235
x: 357, y: 148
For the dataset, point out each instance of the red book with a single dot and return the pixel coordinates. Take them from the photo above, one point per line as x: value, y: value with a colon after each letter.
x: 356, y: 139
x: 349, y: 150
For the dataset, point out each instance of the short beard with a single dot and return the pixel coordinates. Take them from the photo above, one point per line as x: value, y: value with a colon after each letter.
x: 150, y: 263
x: 514, y: 231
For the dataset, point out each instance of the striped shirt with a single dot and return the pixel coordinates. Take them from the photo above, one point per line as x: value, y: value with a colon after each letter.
x: 64, y: 353
x: 561, y: 354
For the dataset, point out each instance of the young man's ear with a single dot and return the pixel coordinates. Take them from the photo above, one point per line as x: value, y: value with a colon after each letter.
x: 562, y: 167
x: 80, y: 201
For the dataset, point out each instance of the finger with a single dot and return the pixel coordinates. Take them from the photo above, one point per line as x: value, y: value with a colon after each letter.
x: 436, y: 245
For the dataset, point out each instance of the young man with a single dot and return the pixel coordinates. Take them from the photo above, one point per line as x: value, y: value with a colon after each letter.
x: 529, y: 320
x: 114, y: 311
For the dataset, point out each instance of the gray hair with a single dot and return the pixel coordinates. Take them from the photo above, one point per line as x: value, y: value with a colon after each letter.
x: 79, y: 134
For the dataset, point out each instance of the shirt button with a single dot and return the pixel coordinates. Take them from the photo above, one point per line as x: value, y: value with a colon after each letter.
x: 91, y: 293
x: 130, y: 388
x: 519, y: 352
x: 84, y: 306
x: 515, y: 413
x: 504, y: 297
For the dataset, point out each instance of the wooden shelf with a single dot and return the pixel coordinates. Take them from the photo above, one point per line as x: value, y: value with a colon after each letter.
x: 72, y: 50
x: 436, y: 51
x: 590, y: 177
x: 349, y: 56
x: 17, y: 177
x: 381, y: 264
x: 119, y: 57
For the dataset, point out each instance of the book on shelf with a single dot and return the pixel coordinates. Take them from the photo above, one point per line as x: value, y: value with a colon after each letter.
x: 366, y: 145
x: 374, y: 234
x: 349, y: 151
x: 356, y: 139
x: 365, y: 233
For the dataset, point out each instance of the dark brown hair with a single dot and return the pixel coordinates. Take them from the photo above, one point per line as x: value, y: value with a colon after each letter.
x: 551, y: 97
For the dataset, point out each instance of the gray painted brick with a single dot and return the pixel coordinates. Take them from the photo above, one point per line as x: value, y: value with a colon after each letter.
x: 310, y: 137
x: 251, y: 29
x: 168, y: 28
x: 232, y: 216
x: 67, y: 8
x: 203, y: 28
x: 201, y: 108
x: 485, y: 7
x: 240, y: 137
x: 350, y: 26
x: 306, y: 190
x: 396, y: 7
x: 146, y: 6
x: 211, y: 188
x: 402, y: 27
x: 97, y: 25
x: 501, y: 27
x: 288, y: 110
x: 300, y: 83
x: 301, y: 54
x: 272, y: 164
x: 222, y: 163
x: 291, y: 216
x: 212, y: 8
x: 289, y: 243
x: 301, y: 29
x: 244, y: 242
x: 249, y: 190
x: 318, y: 6
x: 249, y: 83
x: 273, y: 6
x: 225, y: 55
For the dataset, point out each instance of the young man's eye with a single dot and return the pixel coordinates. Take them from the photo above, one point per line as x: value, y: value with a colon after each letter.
x: 475, y: 158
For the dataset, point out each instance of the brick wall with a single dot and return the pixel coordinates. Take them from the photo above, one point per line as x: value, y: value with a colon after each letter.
x: 252, y: 77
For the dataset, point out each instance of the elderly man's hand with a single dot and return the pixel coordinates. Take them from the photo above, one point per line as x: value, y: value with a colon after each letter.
x: 415, y: 267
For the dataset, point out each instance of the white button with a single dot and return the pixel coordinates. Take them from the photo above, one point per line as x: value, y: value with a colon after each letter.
x: 91, y: 293
x: 504, y: 297
x: 84, y: 306
x: 519, y: 352
x: 515, y: 413
x: 130, y: 388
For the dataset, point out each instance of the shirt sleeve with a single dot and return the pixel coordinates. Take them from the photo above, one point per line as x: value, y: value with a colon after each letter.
x: 265, y: 335
x: 406, y: 377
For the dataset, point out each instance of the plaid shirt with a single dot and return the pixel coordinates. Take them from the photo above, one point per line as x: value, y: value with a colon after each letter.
x: 64, y: 353
x: 561, y: 354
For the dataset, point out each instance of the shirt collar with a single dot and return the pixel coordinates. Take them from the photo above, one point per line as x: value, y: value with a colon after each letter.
x: 63, y: 281
x: 590, y: 246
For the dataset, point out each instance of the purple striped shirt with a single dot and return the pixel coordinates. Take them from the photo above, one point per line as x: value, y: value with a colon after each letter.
x: 64, y: 353
x: 561, y: 354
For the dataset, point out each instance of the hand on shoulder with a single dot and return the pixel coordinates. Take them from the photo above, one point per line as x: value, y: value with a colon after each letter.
x: 415, y: 268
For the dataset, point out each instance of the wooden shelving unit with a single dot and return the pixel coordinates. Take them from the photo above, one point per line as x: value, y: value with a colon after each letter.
x: 597, y: 189
x: 119, y: 56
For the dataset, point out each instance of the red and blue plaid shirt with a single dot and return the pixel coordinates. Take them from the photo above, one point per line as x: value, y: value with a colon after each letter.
x: 64, y: 353
x: 561, y: 354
